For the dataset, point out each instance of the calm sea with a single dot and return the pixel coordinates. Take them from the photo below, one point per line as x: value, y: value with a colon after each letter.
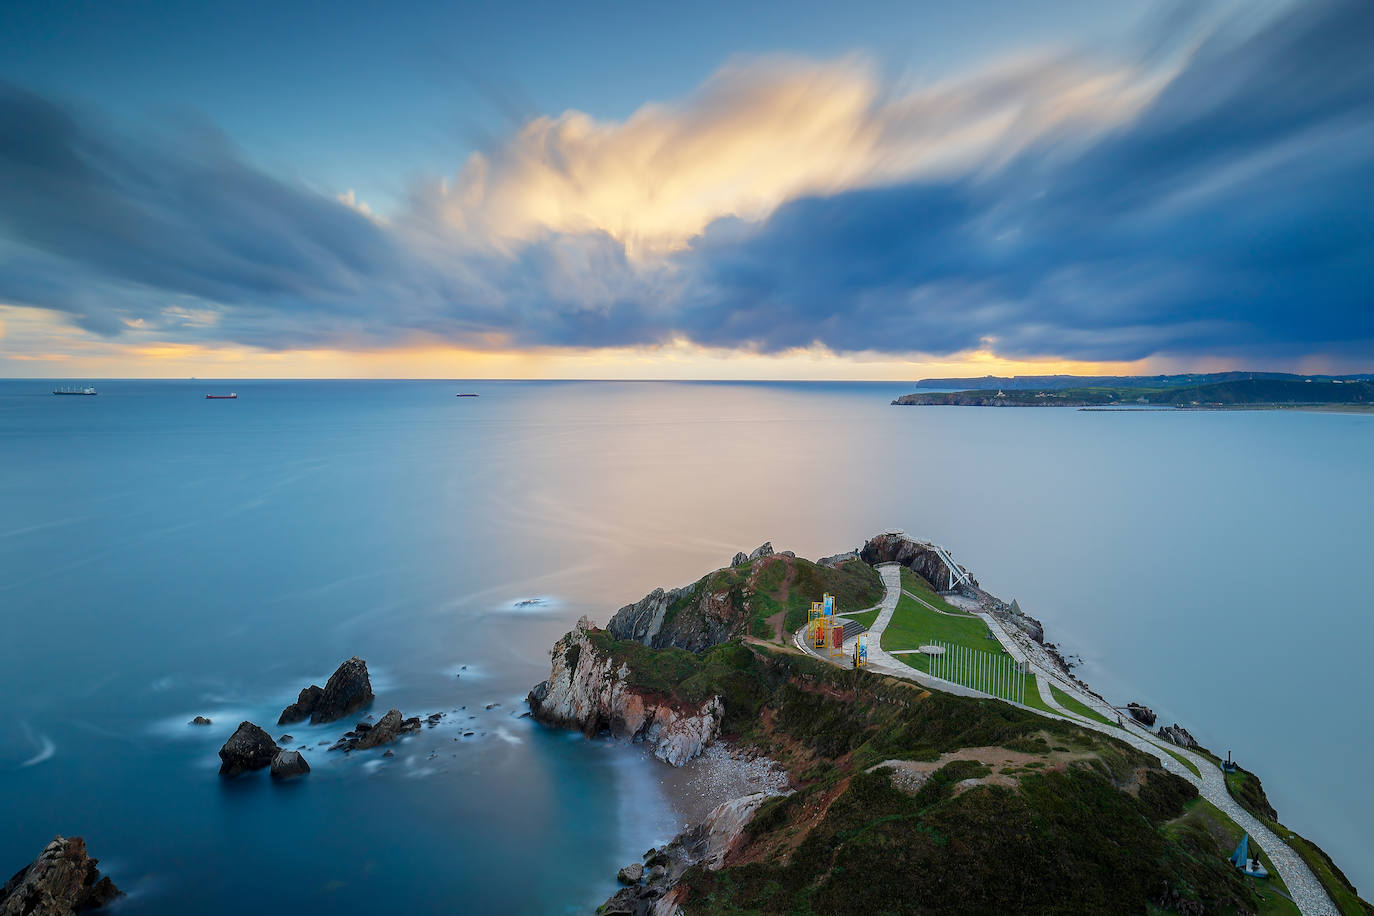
x: 163, y: 556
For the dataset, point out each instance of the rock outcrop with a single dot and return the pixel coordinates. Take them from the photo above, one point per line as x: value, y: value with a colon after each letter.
x: 1177, y: 734
x: 708, y: 844
x: 289, y: 764
x: 918, y: 556
x: 1142, y: 714
x: 248, y: 748
x: 348, y: 690
x: 591, y: 693
x: 305, y: 704
x: 387, y: 729
x: 61, y: 881
x: 199, y: 720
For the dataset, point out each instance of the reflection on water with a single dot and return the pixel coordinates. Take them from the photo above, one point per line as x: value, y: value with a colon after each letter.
x: 160, y: 560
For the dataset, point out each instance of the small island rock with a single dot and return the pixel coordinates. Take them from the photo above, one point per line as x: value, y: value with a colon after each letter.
x: 62, y: 880
x: 248, y: 748
x: 199, y: 720
x: 348, y: 689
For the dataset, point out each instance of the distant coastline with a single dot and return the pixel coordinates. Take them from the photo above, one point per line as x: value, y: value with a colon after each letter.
x: 1355, y: 395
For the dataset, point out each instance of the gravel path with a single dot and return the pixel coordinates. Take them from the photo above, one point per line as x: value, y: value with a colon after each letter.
x: 1307, y: 892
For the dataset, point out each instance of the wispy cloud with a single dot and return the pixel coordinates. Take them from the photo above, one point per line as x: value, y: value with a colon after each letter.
x: 1044, y: 206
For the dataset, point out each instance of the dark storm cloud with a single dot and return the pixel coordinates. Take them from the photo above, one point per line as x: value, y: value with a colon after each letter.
x: 1234, y: 215
x: 1231, y: 216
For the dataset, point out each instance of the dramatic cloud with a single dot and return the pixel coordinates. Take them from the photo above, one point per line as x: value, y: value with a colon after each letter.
x: 758, y: 134
x: 1040, y: 207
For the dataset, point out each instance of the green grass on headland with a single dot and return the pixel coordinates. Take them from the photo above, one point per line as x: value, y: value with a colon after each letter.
x: 1058, y: 832
x: 866, y: 618
x: 913, y: 625
x: 1076, y: 706
x: 1202, y: 821
x: 921, y: 589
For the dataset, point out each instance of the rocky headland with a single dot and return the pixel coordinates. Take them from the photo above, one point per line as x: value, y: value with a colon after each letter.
x: 891, y: 797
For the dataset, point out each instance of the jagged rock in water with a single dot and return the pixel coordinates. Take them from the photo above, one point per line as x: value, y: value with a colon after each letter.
x: 305, y: 704
x: 1142, y: 714
x: 763, y: 550
x: 640, y: 900
x: 348, y: 689
x: 248, y: 748
x: 1177, y: 734
x: 287, y: 764
x: 199, y: 720
x: 591, y: 693
x: 630, y: 874
x: 61, y: 881
x: 387, y: 729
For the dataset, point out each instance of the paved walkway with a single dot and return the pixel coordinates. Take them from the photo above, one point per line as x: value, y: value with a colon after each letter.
x: 1306, y: 891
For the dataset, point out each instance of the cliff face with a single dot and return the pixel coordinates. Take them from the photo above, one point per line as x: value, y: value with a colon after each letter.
x: 694, y: 618
x: 592, y: 693
x: 917, y: 556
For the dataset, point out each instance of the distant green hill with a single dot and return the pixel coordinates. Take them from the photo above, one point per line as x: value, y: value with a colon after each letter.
x: 1249, y: 392
x: 1063, y: 382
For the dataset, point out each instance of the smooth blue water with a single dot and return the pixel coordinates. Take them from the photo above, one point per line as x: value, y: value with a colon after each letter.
x: 162, y: 556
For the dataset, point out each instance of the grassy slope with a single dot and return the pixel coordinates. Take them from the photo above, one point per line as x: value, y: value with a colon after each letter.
x: 1245, y: 787
x: 756, y: 591
x: 1073, y: 705
x: 913, y: 624
x: 1202, y: 815
x: 1087, y: 836
x: 780, y: 585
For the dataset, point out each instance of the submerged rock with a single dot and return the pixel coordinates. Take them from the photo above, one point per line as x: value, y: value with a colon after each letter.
x: 287, y: 764
x: 248, y: 748
x: 348, y: 689
x: 62, y: 880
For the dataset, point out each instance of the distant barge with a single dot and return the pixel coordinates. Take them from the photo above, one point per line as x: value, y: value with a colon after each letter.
x: 88, y: 392
x: 222, y: 397
x: 465, y: 395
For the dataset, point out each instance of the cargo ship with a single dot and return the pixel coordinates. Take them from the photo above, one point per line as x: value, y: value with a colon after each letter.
x: 222, y: 397
x: 83, y: 391
x: 465, y: 395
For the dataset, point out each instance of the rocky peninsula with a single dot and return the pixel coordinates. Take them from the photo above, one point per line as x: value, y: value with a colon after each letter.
x: 893, y: 796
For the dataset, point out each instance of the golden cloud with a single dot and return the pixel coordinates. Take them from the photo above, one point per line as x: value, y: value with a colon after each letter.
x: 762, y: 132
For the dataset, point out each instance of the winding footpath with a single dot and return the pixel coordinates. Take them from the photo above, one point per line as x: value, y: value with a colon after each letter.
x: 1304, y: 888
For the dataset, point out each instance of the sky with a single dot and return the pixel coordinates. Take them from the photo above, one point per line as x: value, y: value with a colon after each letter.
x: 788, y: 190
